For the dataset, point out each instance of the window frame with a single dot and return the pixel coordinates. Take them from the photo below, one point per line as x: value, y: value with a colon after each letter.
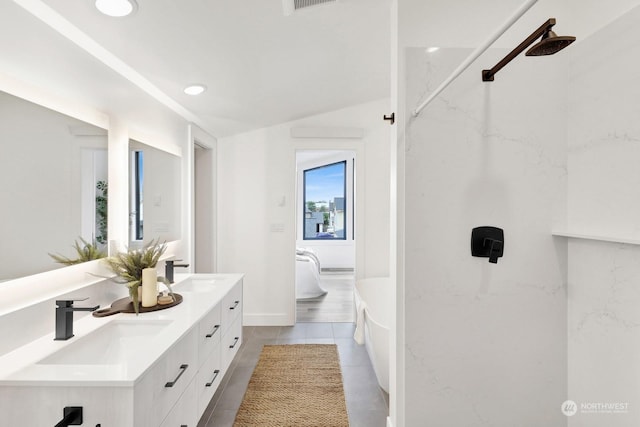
x: 137, y: 171
x: 345, y: 169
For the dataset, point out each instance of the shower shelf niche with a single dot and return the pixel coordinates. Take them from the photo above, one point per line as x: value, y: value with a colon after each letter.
x: 598, y: 237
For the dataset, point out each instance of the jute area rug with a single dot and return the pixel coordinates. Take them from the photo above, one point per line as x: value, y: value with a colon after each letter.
x: 296, y: 385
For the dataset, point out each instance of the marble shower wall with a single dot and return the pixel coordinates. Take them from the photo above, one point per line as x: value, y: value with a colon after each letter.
x: 486, y: 344
x: 604, y: 130
x: 604, y: 334
x: 604, y: 199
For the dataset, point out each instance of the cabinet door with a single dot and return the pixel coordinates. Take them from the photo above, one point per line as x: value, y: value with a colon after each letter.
x: 231, y: 307
x: 208, y: 379
x: 183, y: 414
x: 164, y: 383
x: 209, y: 332
x: 231, y: 342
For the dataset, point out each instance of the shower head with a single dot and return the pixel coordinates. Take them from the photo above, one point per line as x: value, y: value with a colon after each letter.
x: 550, y: 44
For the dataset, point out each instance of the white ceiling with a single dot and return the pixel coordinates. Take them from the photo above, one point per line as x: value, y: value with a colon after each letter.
x: 261, y: 67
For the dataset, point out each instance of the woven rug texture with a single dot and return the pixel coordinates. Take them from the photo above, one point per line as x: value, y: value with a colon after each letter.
x: 297, y: 385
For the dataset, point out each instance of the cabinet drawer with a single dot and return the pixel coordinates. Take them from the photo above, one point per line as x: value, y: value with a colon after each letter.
x: 208, y: 379
x: 164, y: 383
x: 231, y: 307
x: 183, y: 413
x: 209, y: 332
x: 231, y: 342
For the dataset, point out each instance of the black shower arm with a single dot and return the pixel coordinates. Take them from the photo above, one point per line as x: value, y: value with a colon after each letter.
x: 487, y: 75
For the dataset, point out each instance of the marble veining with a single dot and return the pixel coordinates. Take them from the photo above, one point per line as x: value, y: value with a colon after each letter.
x: 485, y: 334
x: 603, y: 199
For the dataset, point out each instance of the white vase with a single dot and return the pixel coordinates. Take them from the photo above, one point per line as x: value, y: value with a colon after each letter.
x: 149, y: 287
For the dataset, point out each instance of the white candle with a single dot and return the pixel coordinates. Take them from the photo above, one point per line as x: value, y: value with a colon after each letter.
x: 149, y: 287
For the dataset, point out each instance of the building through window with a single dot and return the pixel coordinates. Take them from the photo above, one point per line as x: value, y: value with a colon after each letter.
x: 325, y: 189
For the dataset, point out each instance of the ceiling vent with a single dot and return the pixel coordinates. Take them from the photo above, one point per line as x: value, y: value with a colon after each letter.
x: 291, y: 6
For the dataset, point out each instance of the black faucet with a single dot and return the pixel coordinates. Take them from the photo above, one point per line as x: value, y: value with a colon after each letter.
x: 72, y: 417
x: 169, y: 266
x: 64, y: 317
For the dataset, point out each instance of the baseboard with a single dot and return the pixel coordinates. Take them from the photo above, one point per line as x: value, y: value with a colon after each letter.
x: 337, y: 270
x: 267, y: 319
x: 389, y: 423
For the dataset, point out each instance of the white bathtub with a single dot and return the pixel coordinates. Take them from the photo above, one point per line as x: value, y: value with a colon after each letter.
x: 377, y: 295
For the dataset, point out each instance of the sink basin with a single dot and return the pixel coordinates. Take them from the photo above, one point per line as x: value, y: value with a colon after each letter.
x: 196, y: 286
x: 112, y: 344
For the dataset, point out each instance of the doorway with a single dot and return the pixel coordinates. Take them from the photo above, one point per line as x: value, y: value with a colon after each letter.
x: 204, y: 183
x: 325, y: 237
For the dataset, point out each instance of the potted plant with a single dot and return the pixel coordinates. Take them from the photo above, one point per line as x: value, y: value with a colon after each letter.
x: 128, y: 267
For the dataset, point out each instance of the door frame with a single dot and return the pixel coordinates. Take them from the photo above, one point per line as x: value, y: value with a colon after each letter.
x: 334, y: 144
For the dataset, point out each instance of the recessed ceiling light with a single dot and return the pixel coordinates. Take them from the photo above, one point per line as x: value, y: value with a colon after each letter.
x: 432, y: 49
x: 196, y: 89
x: 116, y: 8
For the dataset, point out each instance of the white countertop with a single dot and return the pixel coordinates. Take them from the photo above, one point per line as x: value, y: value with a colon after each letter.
x: 20, y: 367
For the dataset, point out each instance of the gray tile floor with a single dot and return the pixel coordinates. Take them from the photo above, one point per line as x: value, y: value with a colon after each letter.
x: 367, y: 403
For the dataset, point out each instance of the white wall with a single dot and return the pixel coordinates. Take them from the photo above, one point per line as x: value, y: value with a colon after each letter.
x: 257, y: 169
x: 604, y: 200
x: 468, y: 23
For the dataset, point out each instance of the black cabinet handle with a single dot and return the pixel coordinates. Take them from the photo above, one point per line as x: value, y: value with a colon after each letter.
x: 234, y: 305
x: 172, y: 383
x: 215, y: 375
x: 215, y: 329
x: 235, y: 341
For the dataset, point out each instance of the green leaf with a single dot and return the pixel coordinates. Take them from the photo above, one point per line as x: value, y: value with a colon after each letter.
x: 85, y: 252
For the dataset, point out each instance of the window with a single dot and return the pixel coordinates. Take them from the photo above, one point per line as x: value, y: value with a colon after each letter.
x: 137, y: 195
x: 324, y: 201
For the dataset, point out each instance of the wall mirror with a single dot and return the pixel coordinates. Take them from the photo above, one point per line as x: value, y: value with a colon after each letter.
x: 154, y: 195
x: 53, y: 181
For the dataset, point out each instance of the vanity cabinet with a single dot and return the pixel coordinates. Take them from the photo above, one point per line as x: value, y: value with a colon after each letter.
x: 204, y: 348
x: 172, y: 390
